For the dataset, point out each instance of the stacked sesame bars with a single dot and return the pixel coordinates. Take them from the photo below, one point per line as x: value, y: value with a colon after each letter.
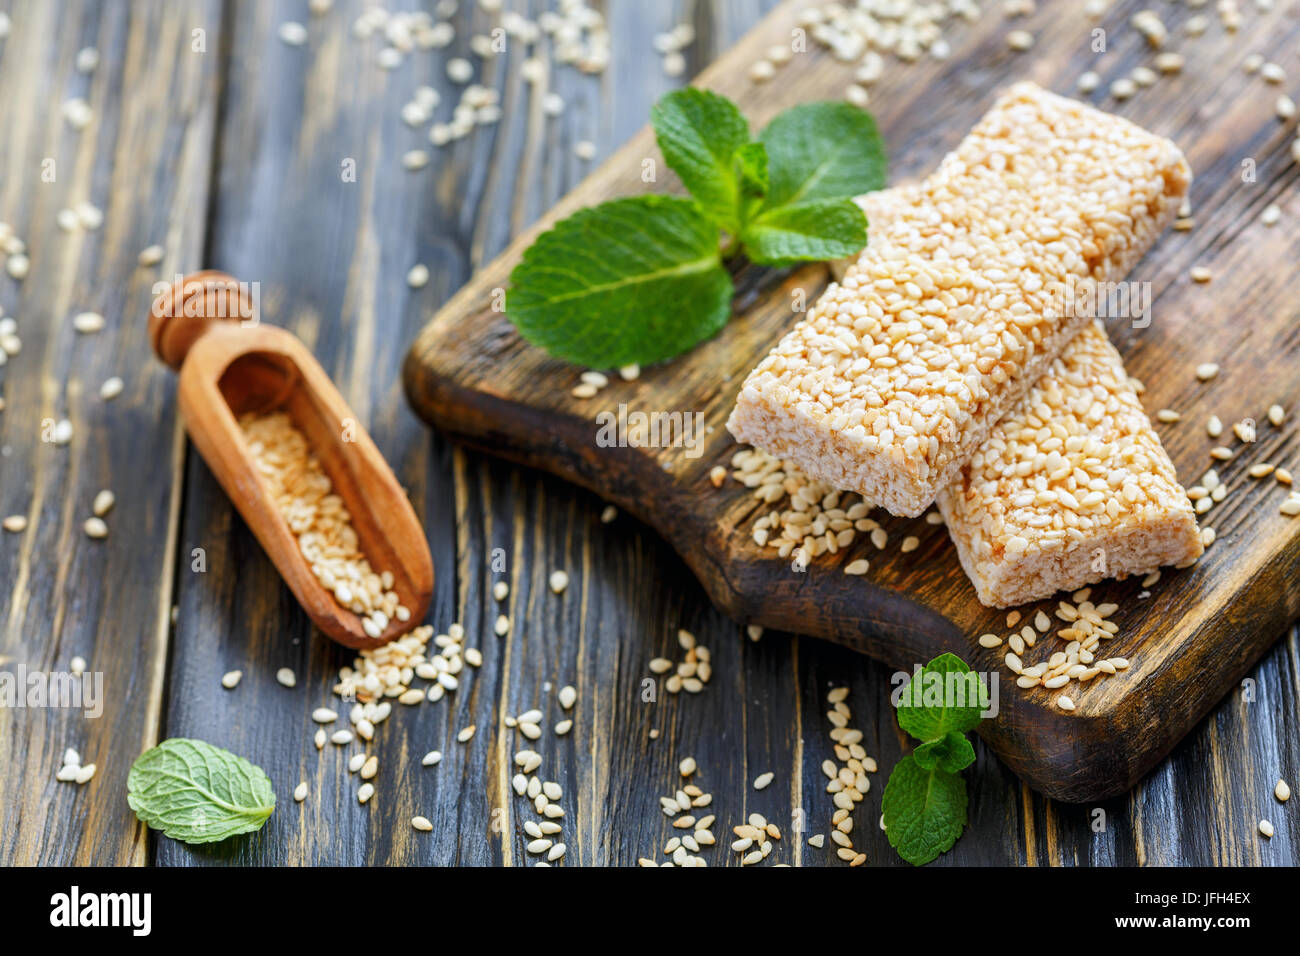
x: 1072, y: 485
x: 959, y: 304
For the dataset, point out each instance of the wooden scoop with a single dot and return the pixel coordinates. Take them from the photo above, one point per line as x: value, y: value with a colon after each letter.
x: 204, y: 326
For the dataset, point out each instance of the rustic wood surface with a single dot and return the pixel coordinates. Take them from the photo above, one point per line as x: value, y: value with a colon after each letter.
x: 232, y: 158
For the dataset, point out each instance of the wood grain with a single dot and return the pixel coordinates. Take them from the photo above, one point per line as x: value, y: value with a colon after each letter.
x: 472, y: 377
x: 286, y: 118
x: 145, y: 161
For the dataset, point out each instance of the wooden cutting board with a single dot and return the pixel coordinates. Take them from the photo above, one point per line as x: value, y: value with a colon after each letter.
x: 1200, y: 630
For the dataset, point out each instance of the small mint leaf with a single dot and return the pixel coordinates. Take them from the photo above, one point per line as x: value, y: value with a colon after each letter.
x: 198, y: 793
x: 824, y: 150
x: 951, y: 752
x: 629, y: 281
x: 945, y: 696
x: 699, y: 133
x: 816, y: 231
x: 924, y: 810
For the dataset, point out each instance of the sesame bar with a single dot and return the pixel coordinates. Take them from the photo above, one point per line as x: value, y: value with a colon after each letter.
x: 998, y: 497
x: 1072, y: 487
x: 960, y: 303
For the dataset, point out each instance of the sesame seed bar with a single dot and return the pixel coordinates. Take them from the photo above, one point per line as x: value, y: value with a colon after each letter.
x: 1072, y: 487
x: 958, y: 305
x: 1081, y: 432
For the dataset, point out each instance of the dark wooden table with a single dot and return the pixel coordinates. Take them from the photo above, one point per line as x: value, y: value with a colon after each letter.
x: 231, y: 148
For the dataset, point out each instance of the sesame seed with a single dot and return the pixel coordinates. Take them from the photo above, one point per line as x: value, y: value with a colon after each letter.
x: 77, y: 666
x: 1262, y: 470
x: 584, y: 150
x: 300, y: 792
x: 15, y: 523
x: 323, y: 715
x: 1207, y: 371
x: 421, y: 823
x: 417, y: 276
x: 365, y: 792
x: 1064, y: 702
x: 1290, y: 507
x: 341, y: 737
x: 1265, y: 828
x: 989, y: 640
x: 1282, y: 791
x: 1088, y: 82
x: 559, y: 581
x: 1020, y: 40
x: 1168, y: 416
x: 286, y: 677
x: 95, y: 528
x: 111, y: 388
x: 1276, y: 415
x: 88, y: 323
x: 1123, y: 88
x: 466, y: 734
x: 1214, y: 427
x: 568, y: 696
x: 910, y: 543
x: 292, y: 33
x: 1200, y: 274
x: 1283, y: 476
x: 859, y: 566
x: 502, y: 626
x: 763, y: 780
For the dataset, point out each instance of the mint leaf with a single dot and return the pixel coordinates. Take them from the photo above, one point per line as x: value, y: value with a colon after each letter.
x: 751, y: 160
x: 945, y: 696
x: 951, y: 752
x: 699, y: 133
x: 198, y: 793
x: 825, y: 150
x: 924, y: 810
x: 818, y: 231
x: 629, y: 281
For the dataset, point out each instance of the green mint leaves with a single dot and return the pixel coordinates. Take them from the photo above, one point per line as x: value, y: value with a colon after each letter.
x: 641, y: 280
x: 925, y: 799
x: 198, y: 793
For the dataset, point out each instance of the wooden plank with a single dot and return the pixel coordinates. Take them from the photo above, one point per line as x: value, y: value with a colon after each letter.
x: 472, y: 377
x: 145, y: 161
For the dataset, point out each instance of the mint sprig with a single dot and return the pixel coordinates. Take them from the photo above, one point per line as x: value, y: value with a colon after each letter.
x: 641, y: 280
x: 925, y: 799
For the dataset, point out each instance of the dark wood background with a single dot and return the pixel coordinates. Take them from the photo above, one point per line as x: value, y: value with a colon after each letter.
x: 231, y: 158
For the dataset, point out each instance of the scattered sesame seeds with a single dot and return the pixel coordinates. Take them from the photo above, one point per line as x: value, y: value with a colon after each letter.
x: 1168, y: 416
x: 300, y: 792
x: 421, y: 823
x: 1266, y: 829
x: 764, y: 780
x: 1282, y: 791
x: 466, y: 734
x: 95, y: 528
x: 230, y: 680
x: 1214, y: 427
x: 568, y: 696
x: 559, y: 580
x: 286, y: 677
